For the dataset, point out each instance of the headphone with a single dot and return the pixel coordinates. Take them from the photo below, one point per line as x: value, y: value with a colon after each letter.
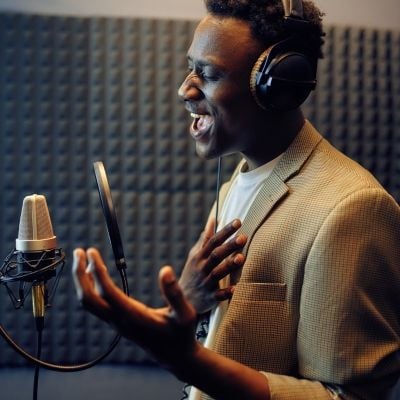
x: 283, y: 76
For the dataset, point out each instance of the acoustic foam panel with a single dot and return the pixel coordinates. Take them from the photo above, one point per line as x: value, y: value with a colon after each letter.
x: 77, y: 90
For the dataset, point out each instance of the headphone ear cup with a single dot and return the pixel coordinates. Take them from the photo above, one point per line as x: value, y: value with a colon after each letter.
x: 255, y: 76
x: 282, y: 80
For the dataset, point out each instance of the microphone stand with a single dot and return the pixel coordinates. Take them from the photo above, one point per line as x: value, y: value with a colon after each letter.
x: 5, y: 278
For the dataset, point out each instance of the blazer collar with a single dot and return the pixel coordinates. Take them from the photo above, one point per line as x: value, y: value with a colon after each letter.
x: 275, y: 188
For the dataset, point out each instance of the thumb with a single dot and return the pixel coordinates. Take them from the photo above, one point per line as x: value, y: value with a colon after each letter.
x: 183, y: 311
x: 210, y: 227
x: 207, y: 233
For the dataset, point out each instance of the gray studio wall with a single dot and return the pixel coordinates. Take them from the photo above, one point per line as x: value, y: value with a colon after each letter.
x: 362, y: 13
x: 75, y: 89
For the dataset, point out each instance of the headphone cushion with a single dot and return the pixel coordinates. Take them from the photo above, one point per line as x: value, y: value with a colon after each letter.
x: 281, y: 80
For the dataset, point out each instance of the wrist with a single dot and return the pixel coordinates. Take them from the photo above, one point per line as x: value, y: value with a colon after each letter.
x: 186, y: 363
x: 221, y: 377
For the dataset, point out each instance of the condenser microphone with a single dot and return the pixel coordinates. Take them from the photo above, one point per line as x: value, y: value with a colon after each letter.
x: 34, y: 262
x: 36, y: 249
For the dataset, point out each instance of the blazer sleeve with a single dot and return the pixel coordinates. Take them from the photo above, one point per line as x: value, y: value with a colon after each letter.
x: 283, y: 387
x: 349, y: 325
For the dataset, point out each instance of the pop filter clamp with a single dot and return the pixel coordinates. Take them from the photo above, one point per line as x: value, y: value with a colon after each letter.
x: 116, y: 244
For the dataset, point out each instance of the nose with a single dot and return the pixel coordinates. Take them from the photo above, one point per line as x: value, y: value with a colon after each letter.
x: 189, y: 89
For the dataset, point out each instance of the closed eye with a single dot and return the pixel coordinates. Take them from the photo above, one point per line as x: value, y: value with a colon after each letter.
x: 203, y: 70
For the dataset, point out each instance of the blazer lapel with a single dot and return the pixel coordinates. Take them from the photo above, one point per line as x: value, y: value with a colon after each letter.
x: 275, y: 188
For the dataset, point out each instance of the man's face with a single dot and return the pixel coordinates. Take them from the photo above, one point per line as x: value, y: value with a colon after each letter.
x: 217, y: 92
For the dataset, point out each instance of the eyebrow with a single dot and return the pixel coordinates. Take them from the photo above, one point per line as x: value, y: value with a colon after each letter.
x: 205, y: 63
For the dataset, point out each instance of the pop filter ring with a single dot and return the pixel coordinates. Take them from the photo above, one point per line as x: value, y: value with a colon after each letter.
x: 109, y: 214
x: 116, y: 243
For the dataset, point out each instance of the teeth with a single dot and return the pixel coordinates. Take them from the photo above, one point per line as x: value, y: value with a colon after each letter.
x: 193, y: 115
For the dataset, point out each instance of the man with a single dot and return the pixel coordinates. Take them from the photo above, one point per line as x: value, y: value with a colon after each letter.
x: 310, y: 309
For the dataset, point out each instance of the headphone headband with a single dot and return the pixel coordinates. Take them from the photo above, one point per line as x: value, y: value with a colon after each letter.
x: 293, y: 15
x: 293, y: 8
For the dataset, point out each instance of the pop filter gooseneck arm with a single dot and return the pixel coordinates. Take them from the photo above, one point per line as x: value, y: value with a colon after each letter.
x: 116, y: 243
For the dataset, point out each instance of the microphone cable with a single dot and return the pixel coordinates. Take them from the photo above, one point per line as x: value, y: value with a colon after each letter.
x: 39, y: 321
x: 67, y: 368
x: 39, y: 331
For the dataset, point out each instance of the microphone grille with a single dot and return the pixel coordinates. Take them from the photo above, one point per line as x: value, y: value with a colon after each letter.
x: 35, y: 223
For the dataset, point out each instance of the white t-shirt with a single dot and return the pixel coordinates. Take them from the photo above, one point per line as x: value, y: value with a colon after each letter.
x: 241, y: 195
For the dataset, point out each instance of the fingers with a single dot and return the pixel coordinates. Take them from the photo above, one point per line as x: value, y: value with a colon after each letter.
x: 84, y: 281
x: 99, y: 270
x: 205, y: 236
x: 222, y: 251
x: 229, y: 265
x: 184, y: 312
x: 222, y: 235
x: 224, y: 294
x: 114, y: 296
x: 78, y: 272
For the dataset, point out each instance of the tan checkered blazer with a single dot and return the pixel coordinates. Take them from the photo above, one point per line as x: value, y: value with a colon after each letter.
x: 318, y: 299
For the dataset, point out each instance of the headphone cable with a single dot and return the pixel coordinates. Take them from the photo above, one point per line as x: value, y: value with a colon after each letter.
x: 217, y: 189
x: 202, y: 328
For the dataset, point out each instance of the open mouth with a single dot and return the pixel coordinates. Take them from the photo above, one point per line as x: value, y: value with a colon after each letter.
x: 201, y: 124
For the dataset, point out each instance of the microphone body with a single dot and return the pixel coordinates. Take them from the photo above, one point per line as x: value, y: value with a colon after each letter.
x: 36, y: 249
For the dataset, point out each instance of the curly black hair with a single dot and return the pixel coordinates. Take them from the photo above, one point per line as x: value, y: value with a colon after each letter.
x: 266, y: 20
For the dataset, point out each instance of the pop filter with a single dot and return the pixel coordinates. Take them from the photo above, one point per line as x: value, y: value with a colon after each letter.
x: 109, y: 214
